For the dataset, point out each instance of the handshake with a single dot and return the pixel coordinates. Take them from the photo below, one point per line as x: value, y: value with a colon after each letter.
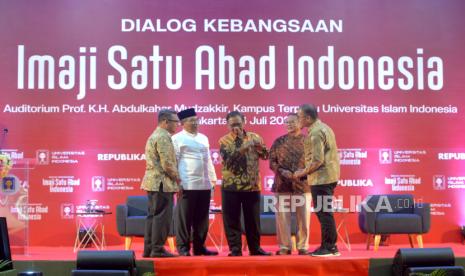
x: 298, y: 179
x: 298, y: 175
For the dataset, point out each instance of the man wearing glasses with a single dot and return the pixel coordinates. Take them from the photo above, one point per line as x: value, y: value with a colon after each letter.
x: 286, y: 157
x: 241, y: 187
x: 161, y: 181
x: 198, y: 178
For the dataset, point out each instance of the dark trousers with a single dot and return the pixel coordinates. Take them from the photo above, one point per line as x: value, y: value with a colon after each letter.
x: 249, y: 203
x: 326, y: 218
x: 192, y: 212
x: 158, y: 223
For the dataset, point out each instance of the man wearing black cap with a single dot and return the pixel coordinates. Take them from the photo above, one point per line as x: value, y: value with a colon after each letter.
x: 198, y: 178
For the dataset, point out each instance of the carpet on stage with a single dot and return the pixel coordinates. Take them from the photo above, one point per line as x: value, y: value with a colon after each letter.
x: 61, y: 260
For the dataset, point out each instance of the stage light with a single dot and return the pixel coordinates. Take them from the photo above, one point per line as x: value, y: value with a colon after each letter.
x: 108, y: 262
x: 421, y: 261
x: 30, y: 273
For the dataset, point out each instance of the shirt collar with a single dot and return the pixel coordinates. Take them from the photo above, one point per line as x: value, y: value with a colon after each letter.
x: 314, y: 124
x: 163, y: 130
x: 295, y: 136
x: 185, y: 132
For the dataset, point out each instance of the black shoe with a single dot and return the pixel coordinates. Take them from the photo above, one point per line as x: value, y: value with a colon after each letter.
x: 260, y: 252
x: 335, y: 251
x: 314, y: 251
x: 283, y: 252
x: 184, y: 252
x: 323, y: 252
x: 304, y: 252
x: 205, y: 252
x: 235, y: 253
x: 162, y: 254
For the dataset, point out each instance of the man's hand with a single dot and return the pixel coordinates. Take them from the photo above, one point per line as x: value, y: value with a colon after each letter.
x: 259, y: 146
x: 238, y: 131
x: 299, y: 186
x: 287, y: 174
x: 245, y: 146
x: 299, y: 174
x: 179, y: 193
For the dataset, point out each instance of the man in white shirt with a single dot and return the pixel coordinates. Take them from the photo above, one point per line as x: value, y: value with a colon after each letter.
x: 198, y: 178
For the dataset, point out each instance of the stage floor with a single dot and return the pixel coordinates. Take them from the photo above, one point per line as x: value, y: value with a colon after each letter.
x: 358, y: 261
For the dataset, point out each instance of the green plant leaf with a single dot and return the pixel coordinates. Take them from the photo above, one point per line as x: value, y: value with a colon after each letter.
x: 439, y: 272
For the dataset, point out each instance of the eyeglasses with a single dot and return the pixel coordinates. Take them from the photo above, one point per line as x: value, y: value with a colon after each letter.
x: 173, y: 121
x: 290, y: 122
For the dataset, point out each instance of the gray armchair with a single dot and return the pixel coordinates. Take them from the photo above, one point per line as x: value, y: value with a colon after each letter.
x: 394, y: 214
x: 130, y: 220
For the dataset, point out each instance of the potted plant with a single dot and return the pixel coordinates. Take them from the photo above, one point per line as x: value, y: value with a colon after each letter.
x: 437, y: 272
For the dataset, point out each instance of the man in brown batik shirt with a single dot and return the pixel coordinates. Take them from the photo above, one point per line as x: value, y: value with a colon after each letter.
x: 293, y: 195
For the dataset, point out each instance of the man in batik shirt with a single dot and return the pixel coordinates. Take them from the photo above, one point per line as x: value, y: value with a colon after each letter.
x: 241, y: 152
x: 161, y: 181
x: 293, y: 195
x: 322, y: 170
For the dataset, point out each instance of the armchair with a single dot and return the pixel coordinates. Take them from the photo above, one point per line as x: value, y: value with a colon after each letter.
x: 130, y: 220
x: 394, y: 214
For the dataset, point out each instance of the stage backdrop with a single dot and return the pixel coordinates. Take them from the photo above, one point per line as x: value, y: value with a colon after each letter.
x: 81, y: 83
